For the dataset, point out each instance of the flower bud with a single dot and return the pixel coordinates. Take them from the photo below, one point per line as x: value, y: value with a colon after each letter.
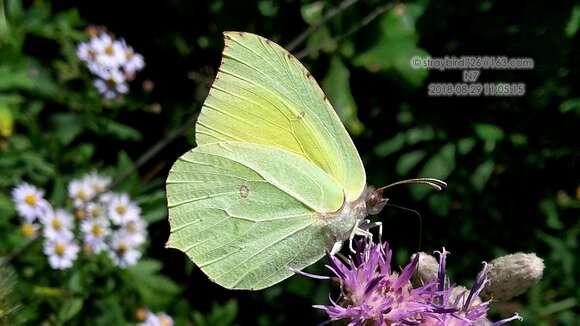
x: 511, y: 275
x: 427, y: 269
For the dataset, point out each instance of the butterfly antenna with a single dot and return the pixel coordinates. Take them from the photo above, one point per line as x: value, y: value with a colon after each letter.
x: 434, y: 183
x: 420, y: 221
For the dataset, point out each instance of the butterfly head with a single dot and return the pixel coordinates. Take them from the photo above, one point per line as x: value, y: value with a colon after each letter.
x: 375, y: 201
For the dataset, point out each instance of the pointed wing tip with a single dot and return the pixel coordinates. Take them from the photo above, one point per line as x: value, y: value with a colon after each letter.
x: 169, y: 245
x: 235, y: 34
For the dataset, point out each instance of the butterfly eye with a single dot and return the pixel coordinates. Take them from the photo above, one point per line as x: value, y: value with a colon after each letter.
x: 376, y: 202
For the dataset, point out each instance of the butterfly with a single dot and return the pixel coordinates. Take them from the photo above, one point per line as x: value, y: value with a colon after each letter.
x: 275, y: 181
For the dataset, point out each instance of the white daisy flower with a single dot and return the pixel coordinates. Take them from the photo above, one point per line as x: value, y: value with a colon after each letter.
x: 133, y: 62
x: 97, y: 182
x: 122, y: 209
x: 29, y: 202
x: 101, y: 41
x: 106, y: 198
x: 165, y: 319
x: 29, y: 229
x: 151, y: 319
x: 86, y: 52
x: 61, y: 252
x: 112, y: 61
x: 111, y: 54
x: 160, y: 319
x: 122, y: 252
x: 57, y: 223
x: 95, y: 211
x: 95, y: 233
x: 111, y: 84
x: 80, y: 191
x: 135, y: 230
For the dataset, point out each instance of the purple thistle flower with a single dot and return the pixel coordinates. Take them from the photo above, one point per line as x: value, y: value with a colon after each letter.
x: 373, y: 294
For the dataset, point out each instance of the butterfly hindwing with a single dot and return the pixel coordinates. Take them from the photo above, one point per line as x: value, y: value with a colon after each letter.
x: 263, y: 95
x: 246, y: 213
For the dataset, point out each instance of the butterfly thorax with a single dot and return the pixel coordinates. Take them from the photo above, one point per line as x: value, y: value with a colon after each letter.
x: 340, y: 224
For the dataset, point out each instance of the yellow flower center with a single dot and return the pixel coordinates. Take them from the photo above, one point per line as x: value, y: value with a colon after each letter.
x: 141, y: 314
x: 131, y: 227
x: 97, y: 230
x: 129, y: 55
x: 111, y: 83
x: 30, y: 200
x: 87, y: 249
x: 109, y: 50
x: 81, y: 195
x: 79, y: 214
x: 96, y: 211
x: 164, y: 321
x: 56, y: 224
x: 27, y: 229
x: 59, y: 249
x: 121, y: 209
x: 122, y: 248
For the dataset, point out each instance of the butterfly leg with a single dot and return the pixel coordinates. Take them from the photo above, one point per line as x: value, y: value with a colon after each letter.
x: 367, y: 225
x: 336, y: 248
x: 351, y: 238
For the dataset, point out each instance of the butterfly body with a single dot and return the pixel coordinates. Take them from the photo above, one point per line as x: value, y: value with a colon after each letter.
x: 340, y: 225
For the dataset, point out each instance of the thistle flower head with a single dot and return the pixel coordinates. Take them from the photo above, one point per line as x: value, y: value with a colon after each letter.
x: 371, y: 291
x: 373, y: 294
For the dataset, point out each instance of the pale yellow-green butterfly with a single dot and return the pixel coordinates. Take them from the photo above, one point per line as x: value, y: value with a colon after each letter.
x: 275, y: 180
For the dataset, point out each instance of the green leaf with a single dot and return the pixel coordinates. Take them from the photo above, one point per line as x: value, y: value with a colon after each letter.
x: 268, y: 8
x: 155, y: 290
x: 220, y: 315
x: 408, y: 161
x: 336, y: 84
x: 417, y: 135
x: 153, y: 205
x: 69, y: 309
x: 481, y: 175
x: 465, y: 145
x: 106, y: 126
x: 570, y: 105
x: 321, y: 40
x: 489, y: 132
x: 110, y: 312
x: 312, y: 13
x: 396, y: 46
x: 4, y: 28
x: 438, y: 166
x: 573, y: 23
x: 390, y: 146
x: 14, y: 77
x: 67, y: 126
x: 125, y: 165
x: 550, y: 211
x: 394, y: 57
x: 6, y: 121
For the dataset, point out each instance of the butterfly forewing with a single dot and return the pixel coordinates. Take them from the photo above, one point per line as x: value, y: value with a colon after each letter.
x: 263, y: 95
